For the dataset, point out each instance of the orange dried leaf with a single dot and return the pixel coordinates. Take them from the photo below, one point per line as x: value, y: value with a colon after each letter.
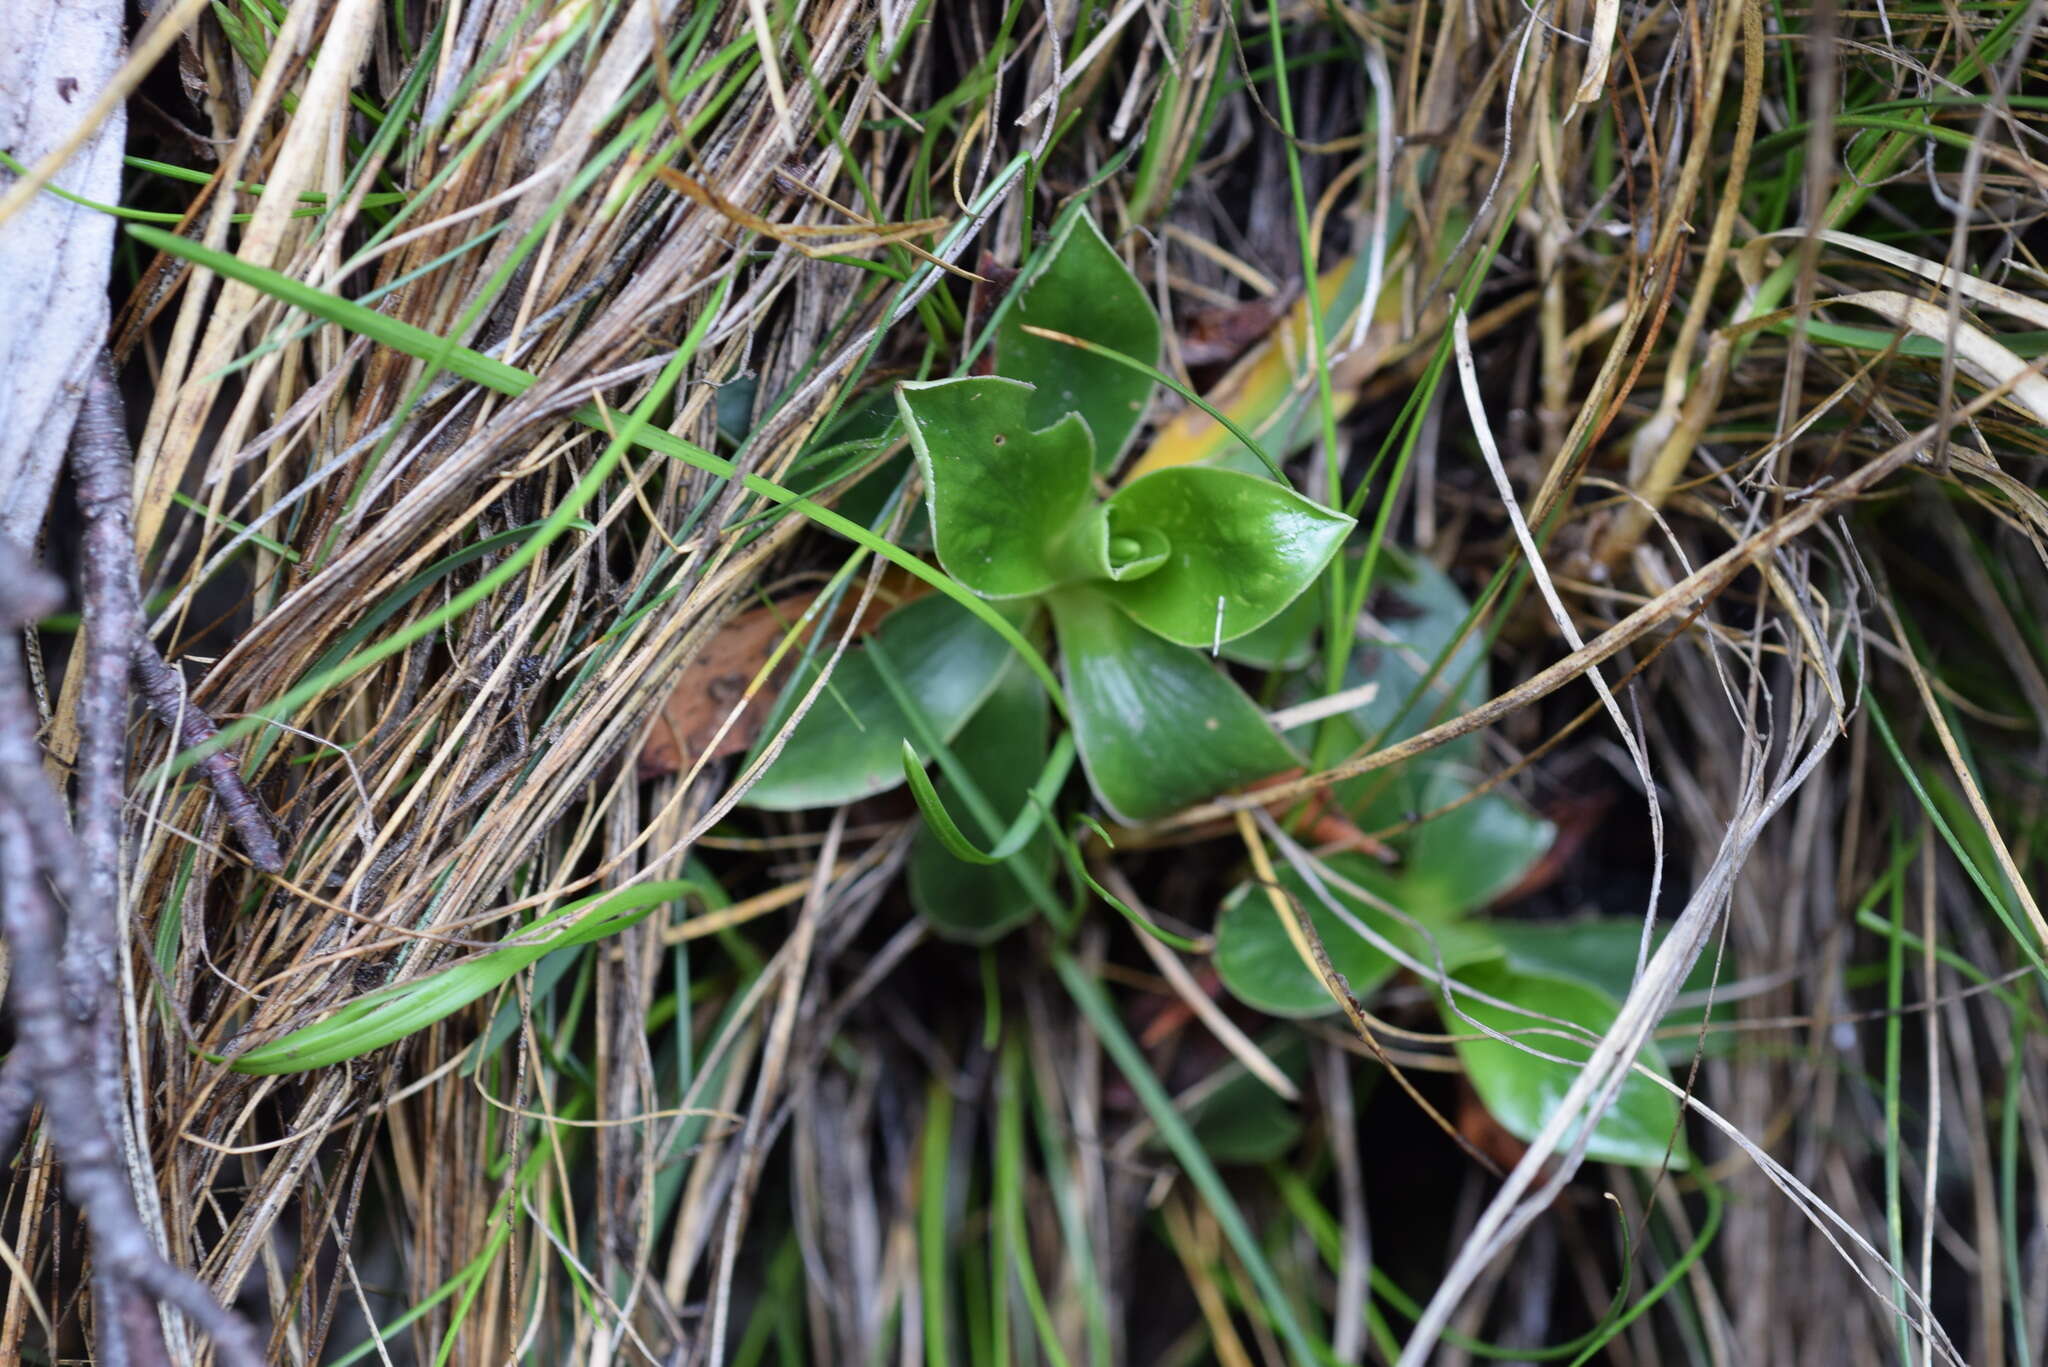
x: 717, y: 679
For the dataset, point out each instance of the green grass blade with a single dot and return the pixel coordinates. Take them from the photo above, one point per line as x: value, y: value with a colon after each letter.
x: 1173, y: 1128
x: 506, y: 379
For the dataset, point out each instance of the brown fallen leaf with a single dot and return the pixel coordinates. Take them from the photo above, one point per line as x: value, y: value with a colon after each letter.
x: 1213, y: 336
x: 714, y: 683
x: 716, y: 679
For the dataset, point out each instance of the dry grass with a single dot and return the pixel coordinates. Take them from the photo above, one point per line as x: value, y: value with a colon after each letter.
x: 1809, y: 566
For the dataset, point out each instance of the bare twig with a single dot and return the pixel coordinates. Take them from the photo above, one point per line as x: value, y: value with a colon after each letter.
x: 163, y: 689
x: 112, y: 618
x: 102, y: 464
x: 59, y: 1057
x: 92, y: 936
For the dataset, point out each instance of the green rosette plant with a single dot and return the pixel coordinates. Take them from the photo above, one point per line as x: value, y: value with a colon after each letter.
x: 1137, y: 585
x: 1139, y: 590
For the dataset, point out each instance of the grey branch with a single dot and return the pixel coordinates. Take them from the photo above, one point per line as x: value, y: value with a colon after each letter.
x: 102, y: 464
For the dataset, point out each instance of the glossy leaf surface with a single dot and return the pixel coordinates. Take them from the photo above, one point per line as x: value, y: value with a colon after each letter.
x: 1459, y: 862
x: 1523, y: 1091
x: 1002, y: 492
x: 1003, y: 749
x: 1078, y: 285
x: 1238, y: 550
x: 1158, y: 726
x: 1257, y: 959
x: 849, y: 745
x: 1600, y: 951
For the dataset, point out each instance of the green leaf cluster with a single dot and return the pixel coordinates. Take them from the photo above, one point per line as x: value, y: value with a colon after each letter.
x: 1551, y: 988
x: 1133, y: 586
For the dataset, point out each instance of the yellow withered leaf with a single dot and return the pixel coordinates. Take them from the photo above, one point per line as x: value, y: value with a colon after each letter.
x: 1271, y: 391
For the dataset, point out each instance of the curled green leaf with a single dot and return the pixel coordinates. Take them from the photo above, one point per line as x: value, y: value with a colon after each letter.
x: 990, y: 769
x: 1142, y: 923
x: 1094, y: 547
x: 1238, y: 549
x: 1134, y: 552
x: 947, y: 831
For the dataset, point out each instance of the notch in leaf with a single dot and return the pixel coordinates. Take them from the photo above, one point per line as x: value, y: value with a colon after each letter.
x: 1078, y: 285
x: 1003, y: 493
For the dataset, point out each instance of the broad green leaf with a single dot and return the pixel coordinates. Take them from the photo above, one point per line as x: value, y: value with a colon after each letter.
x: 1421, y: 611
x: 1459, y: 862
x: 1079, y: 286
x: 1286, y: 642
x: 1256, y: 958
x: 1244, y: 1120
x: 1158, y: 727
x: 1238, y: 550
x: 392, y: 1013
x: 1003, y: 492
x: 1600, y: 951
x: 1258, y: 962
x: 850, y: 744
x: 1523, y: 1091
x: 1003, y: 749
